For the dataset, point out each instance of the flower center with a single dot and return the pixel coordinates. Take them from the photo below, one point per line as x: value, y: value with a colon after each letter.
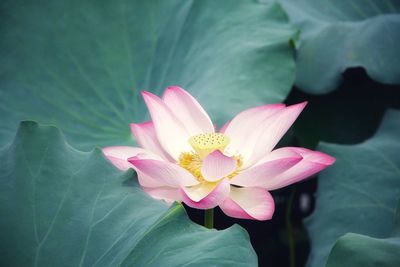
x: 204, y: 144
x: 191, y: 162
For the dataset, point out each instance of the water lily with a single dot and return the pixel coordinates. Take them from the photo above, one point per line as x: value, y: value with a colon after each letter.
x: 183, y: 158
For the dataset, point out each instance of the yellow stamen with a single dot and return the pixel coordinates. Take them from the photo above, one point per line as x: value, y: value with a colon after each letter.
x: 204, y: 144
x: 192, y: 163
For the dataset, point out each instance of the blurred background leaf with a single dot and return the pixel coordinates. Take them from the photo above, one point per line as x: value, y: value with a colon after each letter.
x: 359, y: 193
x: 349, y: 115
x: 81, y: 64
x: 336, y: 35
x: 63, y: 207
x: 360, y: 250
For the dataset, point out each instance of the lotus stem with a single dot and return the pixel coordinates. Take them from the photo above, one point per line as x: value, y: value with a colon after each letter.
x: 209, y: 218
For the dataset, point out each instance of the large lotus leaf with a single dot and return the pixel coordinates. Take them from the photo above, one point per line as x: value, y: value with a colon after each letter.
x: 81, y: 64
x: 63, y: 207
x: 359, y: 193
x: 336, y: 35
x: 354, y: 250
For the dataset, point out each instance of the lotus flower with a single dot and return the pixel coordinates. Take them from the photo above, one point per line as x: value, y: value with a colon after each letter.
x: 183, y: 158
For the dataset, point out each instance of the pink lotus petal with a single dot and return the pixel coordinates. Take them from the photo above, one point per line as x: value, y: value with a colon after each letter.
x: 313, y: 162
x: 279, y: 153
x: 146, y: 137
x: 148, y: 181
x: 118, y: 155
x: 217, y: 166
x: 259, y: 174
x: 273, y: 131
x: 314, y: 156
x: 206, y: 195
x: 186, y: 108
x: 171, y: 133
x: 168, y: 194
x: 167, y: 173
x: 249, y: 203
x: 245, y: 129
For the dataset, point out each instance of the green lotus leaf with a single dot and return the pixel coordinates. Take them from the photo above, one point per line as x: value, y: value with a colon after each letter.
x: 336, y: 35
x: 352, y: 250
x: 63, y: 207
x: 359, y: 193
x: 81, y: 64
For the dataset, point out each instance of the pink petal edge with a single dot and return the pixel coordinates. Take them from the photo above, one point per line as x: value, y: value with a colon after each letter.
x: 245, y: 128
x: 312, y: 163
x: 168, y: 194
x: 170, y: 132
x: 188, y: 110
x: 207, y: 200
x: 146, y: 137
x: 274, y: 129
x: 258, y: 175
x: 118, y: 155
x: 249, y: 203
